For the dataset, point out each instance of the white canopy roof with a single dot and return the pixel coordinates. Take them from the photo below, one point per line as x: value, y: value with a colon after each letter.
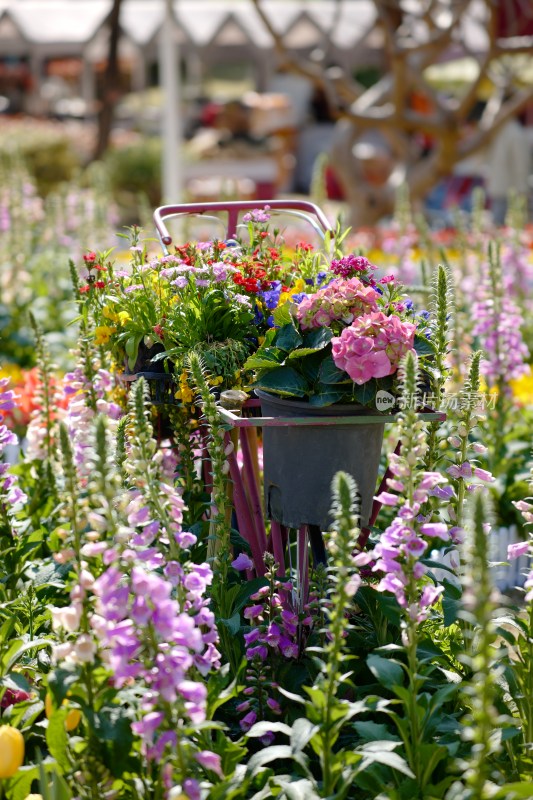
x: 202, y: 21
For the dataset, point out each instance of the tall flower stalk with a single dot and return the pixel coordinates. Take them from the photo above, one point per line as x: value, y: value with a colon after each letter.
x: 345, y: 581
x: 497, y: 325
x: 398, y: 554
x: 479, y: 604
x: 442, y: 330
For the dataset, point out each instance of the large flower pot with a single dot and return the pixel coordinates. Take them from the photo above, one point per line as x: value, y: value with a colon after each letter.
x: 299, y: 463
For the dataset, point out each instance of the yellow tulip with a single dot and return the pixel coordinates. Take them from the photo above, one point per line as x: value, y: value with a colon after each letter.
x: 72, y: 720
x: 11, y: 750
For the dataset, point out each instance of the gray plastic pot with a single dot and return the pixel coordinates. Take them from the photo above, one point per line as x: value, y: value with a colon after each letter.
x: 299, y: 462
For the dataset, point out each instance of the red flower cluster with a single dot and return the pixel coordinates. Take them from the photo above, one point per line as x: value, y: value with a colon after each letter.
x: 92, y: 285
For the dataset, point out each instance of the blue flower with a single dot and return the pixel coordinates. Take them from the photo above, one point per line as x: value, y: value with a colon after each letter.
x: 271, y: 296
x: 321, y: 276
x: 297, y: 298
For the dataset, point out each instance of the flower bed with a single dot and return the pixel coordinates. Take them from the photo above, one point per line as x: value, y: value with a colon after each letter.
x: 148, y: 650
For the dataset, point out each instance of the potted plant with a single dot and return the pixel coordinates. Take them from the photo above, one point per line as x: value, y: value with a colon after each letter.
x: 333, y: 351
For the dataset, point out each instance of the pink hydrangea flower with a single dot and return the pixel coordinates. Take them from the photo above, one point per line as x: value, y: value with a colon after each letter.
x: 340, y: 300
x: 372, y: 346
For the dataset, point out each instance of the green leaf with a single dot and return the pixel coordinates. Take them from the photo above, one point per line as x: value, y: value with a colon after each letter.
x: 20, y: 785
x: 273, y: 753
x: 318, y: 339
x: 288, y: 338
x: 302, y: 732
x: 366, y: 393
x: 265, y: 358
x: 388, y: 672
x: 57, y: 739
x: 326, y: 396
x: 330, y: 373
x: 60, y: 681
x: 302, y: 789
x: 132, y: 348
x: 260, y: 728
x: 233, y: 624
x: 220, y: 689
x: 17, y: 650
x: 282, y: 315
x: 514, y: 791
x: 382, y: 753
x: 373, y: 731
x: 423, y: 346
x: 284, y: 381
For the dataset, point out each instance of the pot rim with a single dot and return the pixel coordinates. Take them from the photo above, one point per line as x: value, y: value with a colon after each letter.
x: 333, y: 410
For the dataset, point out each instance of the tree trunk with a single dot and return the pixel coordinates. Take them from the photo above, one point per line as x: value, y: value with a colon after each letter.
x: 111, y: 84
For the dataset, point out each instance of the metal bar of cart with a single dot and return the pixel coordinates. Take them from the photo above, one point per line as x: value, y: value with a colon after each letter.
x: 303, y: 208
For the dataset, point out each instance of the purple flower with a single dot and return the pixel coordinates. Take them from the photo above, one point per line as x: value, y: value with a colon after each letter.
x: 253, y: 612
x: 247, y: 721
x: 253, y: 636
x: 242, y: 562
x: 260, y: 651
x: 460, y: 471
x: 288, y: 647
x: 191, y: 787
x: 257, y: 215
x: 436, y: 530
x: 210, y: 761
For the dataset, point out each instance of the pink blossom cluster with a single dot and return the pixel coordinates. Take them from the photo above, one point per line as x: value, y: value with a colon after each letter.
x: 339, y: 301
x: 275, y: 632
x: 401, y: 546
x: 373, y: 346
x: 11, y: 495
x: 498, y: 327
x: 350, y: 265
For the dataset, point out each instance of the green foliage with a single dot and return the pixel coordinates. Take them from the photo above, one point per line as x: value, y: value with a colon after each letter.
x: 135, y: 171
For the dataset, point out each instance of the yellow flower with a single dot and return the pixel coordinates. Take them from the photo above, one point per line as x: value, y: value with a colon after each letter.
x: 186, y: 394
x: 12, y: 371
x: 34, y: 797
x: 123, y: 317
x: 73, y: 717
x: 522, y: 389
x: 216, y: 381
x: 11, y: 750
x: 102, y: 334
x: 299, y: 286
x: 108, y: 313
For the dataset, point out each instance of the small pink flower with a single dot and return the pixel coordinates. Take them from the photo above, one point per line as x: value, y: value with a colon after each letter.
x: 387, y: 499
x: 517, y: 549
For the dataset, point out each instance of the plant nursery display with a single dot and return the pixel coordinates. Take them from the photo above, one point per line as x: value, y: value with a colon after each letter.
x: 172, y: 625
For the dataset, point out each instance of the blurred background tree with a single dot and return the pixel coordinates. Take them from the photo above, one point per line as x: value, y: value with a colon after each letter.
x: 404, y: 129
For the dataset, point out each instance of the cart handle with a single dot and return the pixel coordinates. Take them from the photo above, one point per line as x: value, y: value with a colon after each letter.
x: 233, y: 209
